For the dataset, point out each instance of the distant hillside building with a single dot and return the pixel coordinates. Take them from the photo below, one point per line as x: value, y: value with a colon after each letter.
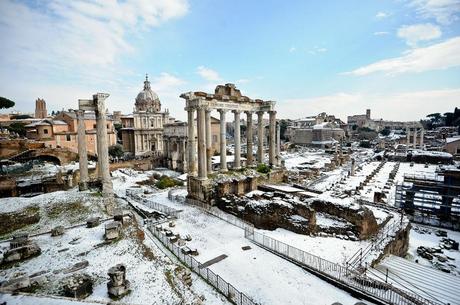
x: 365, y: 121
x: 321, y: 130
x: 40, y: 109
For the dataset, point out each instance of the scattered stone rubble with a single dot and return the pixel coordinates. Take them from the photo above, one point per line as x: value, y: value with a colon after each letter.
x: 118, y: 286
x: 112, y: 230
x: 57, y: 231
x: 92, y: 222
x: 21, y: 248
x: 78, y: 286
x: 436, y: 255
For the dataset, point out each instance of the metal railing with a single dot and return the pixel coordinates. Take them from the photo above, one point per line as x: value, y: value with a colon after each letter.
x: 379, y: 243
x: 228, y: 290
x: 338, y: 274
x: 231, y: 219
x: 152, y: 204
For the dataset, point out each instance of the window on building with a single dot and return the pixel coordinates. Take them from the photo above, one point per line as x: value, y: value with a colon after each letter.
x: 68, y: 137
x: 151, y: 123
x: 94, y: 126
x: 45, y: 131
x: 214, y: 138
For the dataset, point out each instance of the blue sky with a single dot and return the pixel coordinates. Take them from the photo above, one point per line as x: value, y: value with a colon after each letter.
x: 399, y: 58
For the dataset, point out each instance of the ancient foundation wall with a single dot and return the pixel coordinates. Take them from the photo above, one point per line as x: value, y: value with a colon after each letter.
x: 398, y: 246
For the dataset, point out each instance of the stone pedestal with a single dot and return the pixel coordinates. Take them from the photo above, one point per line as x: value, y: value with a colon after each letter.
x: 118, y: 286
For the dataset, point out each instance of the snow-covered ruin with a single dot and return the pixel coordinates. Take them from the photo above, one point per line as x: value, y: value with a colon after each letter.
x: 326, y: 230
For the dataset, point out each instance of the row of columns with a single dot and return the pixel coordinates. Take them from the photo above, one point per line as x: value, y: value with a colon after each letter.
x: 204, y: 156
x: 101, y: 143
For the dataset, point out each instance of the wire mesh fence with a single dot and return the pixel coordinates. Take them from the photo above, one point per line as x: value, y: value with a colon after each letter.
x: 152, y: 204
x: 337, y: 273
x: 228, y: 290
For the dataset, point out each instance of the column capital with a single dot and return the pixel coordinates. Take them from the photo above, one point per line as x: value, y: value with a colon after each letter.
x: 190, y: 109
x: 272, y: 112
x: 249, y: 112
x: 236, y: 111
x: 79, y: 112
x: 222, y: 111
x: 260, y: 113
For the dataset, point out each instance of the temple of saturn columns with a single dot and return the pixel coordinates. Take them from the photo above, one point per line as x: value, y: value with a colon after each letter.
x: 96, y: 104
x: 225, y: 99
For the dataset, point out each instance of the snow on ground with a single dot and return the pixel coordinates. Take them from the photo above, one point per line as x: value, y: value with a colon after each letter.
x: 311, y: 158
x: 147, y: 273
x: 261, y: 275
x: 426, y: 236
x: 329, y: 248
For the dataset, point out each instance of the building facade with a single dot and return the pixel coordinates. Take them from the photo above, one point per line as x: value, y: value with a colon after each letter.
x: 61, y: 131
x: 142, y: 132
x: 321, y: 130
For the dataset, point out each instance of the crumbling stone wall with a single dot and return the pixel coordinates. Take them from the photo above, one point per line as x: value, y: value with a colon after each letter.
x: 363, y: 218
x: 13, y: 221
x: 271, y: 216
x: 398, y: 246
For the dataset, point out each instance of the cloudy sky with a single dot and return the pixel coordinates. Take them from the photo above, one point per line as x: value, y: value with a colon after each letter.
x: 401, y: 58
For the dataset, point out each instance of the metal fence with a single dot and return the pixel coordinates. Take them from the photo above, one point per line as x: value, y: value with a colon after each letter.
x: 152, y: 204
x: 379, y: 242
x: 231, y: 219
x: 339, y: 274
x: 224, y: 287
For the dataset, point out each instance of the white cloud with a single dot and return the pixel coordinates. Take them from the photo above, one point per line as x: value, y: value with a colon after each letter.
x: 292, y: 49
x: 382, y: 15
x: 317, y: 49
x: 443, y: 11
x: 419, y: 32
x: 402, y: 106
x: 208, y: 74
x: 439, y: 56
x: 381, y: 33
x: 77, y: 35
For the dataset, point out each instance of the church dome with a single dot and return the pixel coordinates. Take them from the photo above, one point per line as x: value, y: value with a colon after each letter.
x: 147, y: 100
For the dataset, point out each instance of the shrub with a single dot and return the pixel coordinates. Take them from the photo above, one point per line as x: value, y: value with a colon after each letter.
x: 263, y: 168
x: 166, y: 182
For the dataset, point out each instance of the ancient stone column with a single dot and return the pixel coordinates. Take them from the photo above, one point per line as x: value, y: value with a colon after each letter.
x: 415, y: 137
x: 260, y: 137
x: 272, y: 138
x: 249, y: 138
x: 201, y: 144
x: 237, y: 136
x: 191, y: 142
x: 407, y: 137
x: 82, y: 153
x: 223, y: 141
x: 103, y: 152
x: 208, y: 140
x: 422, y: 134
x: 353, y: 167
x: 278, y: 144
